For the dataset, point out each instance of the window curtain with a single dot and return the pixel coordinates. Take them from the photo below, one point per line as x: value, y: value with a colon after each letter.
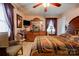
x: 3, y: 24
x: 51, y: 28
x: 8, y: 12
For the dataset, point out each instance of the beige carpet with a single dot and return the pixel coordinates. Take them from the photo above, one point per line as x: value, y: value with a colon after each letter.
x: 27, y: 48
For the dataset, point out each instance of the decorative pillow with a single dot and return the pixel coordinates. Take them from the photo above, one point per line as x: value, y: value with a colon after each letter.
x: 66, y: 35
x: 75, y: 38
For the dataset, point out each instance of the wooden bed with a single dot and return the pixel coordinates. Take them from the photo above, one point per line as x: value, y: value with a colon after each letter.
x: 64, y: 45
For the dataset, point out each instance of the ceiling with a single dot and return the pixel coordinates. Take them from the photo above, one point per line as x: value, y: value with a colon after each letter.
x: 52, y: 10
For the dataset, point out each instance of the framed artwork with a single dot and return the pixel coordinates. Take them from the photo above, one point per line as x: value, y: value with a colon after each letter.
x: 19, y: 21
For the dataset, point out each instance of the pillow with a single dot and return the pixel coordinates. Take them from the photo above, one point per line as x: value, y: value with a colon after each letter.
x: 66, y: 35
x: 75, y: 38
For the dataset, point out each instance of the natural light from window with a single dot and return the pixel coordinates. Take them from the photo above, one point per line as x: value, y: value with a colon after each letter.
x: 3, y: 24
x: 51, y: 28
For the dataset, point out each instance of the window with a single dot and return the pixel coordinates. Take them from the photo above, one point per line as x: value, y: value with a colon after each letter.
x: 3, y: 23
x: 51, y: 28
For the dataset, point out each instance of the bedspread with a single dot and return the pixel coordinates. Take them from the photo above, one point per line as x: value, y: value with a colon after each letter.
x: 54, y: 45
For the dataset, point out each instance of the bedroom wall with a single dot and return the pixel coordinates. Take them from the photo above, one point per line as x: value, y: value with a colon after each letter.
x: 26, y: 17
x: 71, y: 14
x: 66, y: 18
x: 61, y: 25
x: 62, y: 21
x: 19, y: 12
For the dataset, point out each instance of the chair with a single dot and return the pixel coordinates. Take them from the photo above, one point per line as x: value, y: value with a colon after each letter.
x: 14, y: 48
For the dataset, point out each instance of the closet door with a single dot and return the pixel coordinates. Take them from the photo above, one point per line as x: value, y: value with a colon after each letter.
x: 51, y: 26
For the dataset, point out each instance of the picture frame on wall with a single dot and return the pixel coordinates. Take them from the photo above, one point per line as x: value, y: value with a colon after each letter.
x: 19, y: 21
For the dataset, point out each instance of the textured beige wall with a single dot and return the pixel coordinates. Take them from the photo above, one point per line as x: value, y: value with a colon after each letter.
x: 66, y: 18
x: 16, y: 11
x: 62, y: 19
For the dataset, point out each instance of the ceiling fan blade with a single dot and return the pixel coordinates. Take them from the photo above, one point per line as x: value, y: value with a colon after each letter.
x: 56, y: 4
x: 37, y: 5
x: 45, y: 9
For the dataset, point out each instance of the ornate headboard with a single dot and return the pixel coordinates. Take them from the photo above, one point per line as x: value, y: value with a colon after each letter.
x: 73, y: 27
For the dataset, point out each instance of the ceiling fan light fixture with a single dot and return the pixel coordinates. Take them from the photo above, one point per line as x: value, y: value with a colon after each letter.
x: 56, y: 4
x: 46, y: 4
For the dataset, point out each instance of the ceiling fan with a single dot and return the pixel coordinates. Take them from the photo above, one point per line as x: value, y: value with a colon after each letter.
x: 46, y: 5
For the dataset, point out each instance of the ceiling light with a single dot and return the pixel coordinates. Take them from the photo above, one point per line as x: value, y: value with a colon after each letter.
x: 46, y: 4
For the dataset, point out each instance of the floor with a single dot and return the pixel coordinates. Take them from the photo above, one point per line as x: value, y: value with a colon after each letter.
x: 27, y: 48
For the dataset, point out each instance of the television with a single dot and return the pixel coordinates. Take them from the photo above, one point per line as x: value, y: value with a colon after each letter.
x: 26, y: 23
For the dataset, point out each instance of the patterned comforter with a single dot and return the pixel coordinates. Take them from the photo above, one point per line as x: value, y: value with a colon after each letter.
x: 54, y: 45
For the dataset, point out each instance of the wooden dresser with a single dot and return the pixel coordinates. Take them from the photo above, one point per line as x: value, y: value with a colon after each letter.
x: 30, y: 36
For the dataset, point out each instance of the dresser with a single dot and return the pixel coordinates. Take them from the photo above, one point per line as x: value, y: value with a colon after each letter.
x: 30, y: 36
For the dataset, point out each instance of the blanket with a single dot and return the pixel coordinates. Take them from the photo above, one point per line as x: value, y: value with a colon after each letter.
x: 55, y: 45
